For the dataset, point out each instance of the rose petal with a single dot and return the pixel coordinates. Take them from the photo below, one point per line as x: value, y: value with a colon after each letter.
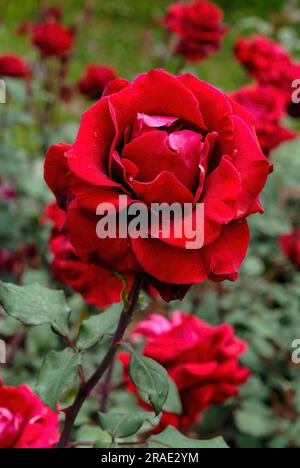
x: 56, y: 169
x: 88, y: 157
x: 164, y: 189
x: 252, y: 165
x: 228, y: 252
x: 170, y: 264
x: 215, y: 108
x: 112, y: 254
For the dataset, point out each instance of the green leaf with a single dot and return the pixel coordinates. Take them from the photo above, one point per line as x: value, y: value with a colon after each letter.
x: 150, y: 378
x: 125, y: 425
x: 36, y: 305
x: 57, y: 375
x: 173, y: 403
x: 93, y: 329
x: 171, y: 438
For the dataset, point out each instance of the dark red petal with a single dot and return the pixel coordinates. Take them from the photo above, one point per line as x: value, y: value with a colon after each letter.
x: 115, y: 86
x: 170, y: 264
x: 56, y: 169
x: 154, y: 93
x: 222, y: 189
x: 251, y: 164
x: 227, y: 253
x: 164, y: 189
x: 89, y: 197
x: 215, y: 108
x: 244, y: 114
x: 170, y: 292
x: 88, y: 157
x: 112, y: 254
x: 206, y: 152
x: 156, y: 151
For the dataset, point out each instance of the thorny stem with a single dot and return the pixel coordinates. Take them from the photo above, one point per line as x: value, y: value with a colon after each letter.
x: 86, y: 390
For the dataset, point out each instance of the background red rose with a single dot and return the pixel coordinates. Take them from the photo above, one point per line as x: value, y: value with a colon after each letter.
x: 200, y: 359
x: 268, y: 106
x: 53, y: 39
x: 204, y: 147
x: 25, y: 422
x: 13, y: 66
x: 290, y: 245
x: 269, y: 63
x: 199, y: 27
x: 97, y: 286
x: 95, y: 80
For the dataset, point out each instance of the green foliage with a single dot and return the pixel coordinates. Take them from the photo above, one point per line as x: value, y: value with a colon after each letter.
x: 58, y: 374
x: 150, y: 378
x: 124, y: 425
x: 36, y: 305
x: 95, y: 328
x: 171, y: 438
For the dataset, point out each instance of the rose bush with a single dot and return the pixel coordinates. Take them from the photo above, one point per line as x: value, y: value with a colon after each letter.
x: 200, y: 359
x: 25, y: 422
x: 205, y: 150
x: 97, y: 286
x: 199, y: 27
x: 95, y: 80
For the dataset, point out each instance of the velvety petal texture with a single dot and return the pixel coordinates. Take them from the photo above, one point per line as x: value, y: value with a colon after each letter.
x: 162, y: 139
x: 200, y: 359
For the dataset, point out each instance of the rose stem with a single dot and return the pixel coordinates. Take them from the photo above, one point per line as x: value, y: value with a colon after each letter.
x: 106, y: 388
x: 85, y: 390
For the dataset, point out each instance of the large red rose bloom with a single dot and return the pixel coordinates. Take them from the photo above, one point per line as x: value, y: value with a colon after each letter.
x: 13, y: 66
x: 200, y: 359
x: 268, y: 106
x: 162, y: 138
x: 95, y: 80
x: 53, y: 39
x: 97, y: 286
x: 25, y: 422
x: 199, y: 27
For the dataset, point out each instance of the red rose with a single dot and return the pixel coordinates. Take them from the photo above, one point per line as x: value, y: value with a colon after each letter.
x: 199, y: 27
x: 268, y: 106
x: 95, y: 80
x: 13, y: 66
x: 290, y: 245
x: 53, y: 39
x: 200, y: 359
x: 25, y: 422
x: 264, y: 59
x: 269, y: 63
x: 97, y: 286
x: 162, y: 139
